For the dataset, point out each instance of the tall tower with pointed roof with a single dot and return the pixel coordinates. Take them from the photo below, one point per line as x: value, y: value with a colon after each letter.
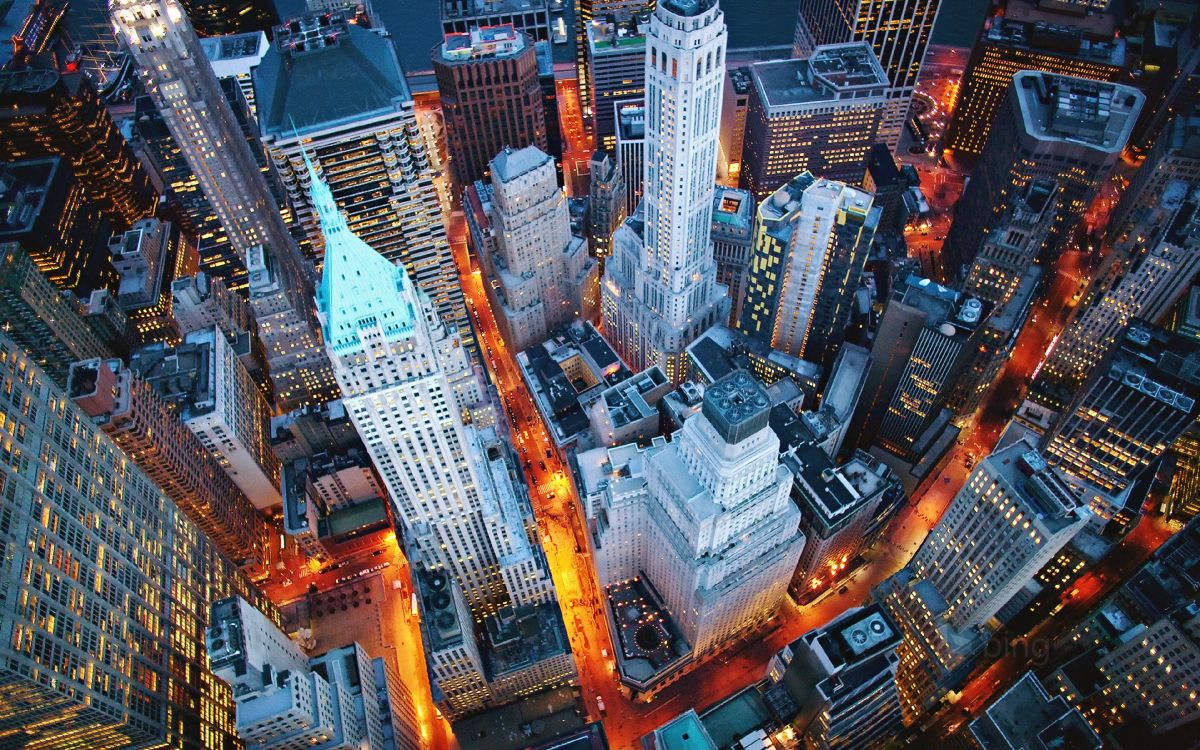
x: 177, y: 76
x: 406, y: 382
x: 660, y: 291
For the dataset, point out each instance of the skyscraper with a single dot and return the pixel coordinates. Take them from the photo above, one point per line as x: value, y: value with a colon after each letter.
x: 40, y: 318
x: 923, y: 340
x: 818, y: 114
x: 45, y: 113
x: 1136, y: 403
x: 540, y: 273
x: 732, y: 239
x: 367, y: 136
x: 491, y: 97
x: 1067, y: 130
x: 842, y: 677
x: 177, y: 76
x: 1174, y: 157
x: 734, y: 109
x: 616, y: 62
x: 1144, y: 279
x: 48, y: 213
x: 142, y: 423
x: 284, y: 698
x: 660, y: 291
x: 1025, y: 35
x: 631, y: 152
x: 606, y: 202
x: 395, y: 360
x: 1013, y: 244
x: 1010, y: 519
x: 706, y: 518
x: 811, y: 241
x: 110, y: 660
x: 898, y: 32
x: 215, y: 397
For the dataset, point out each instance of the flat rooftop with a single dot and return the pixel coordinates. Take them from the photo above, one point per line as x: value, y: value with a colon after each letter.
x: 1095, y: 114
x: 1025, y: 717
x: 833, y: 70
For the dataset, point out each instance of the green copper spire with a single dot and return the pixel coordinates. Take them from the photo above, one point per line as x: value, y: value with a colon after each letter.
x: 359, y: 287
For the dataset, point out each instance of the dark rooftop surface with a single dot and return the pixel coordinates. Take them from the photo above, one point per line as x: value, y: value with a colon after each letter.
x: 319, y: 80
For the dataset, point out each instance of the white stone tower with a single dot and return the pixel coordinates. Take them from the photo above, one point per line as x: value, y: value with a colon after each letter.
x: 661, y: 291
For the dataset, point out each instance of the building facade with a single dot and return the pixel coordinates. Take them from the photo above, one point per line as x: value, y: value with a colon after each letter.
x: 1009, y: 520
x: 818, y: 114
x: 732, y: 239
x: 718, y: 485
x: 898, y: 32
x: 606, y: 203
x: 1022, y: 35
x: 215, y: 397
x: 539, y: 273
x: 368, y: 138
x: 491, y: 97
x: 191, y: 103
x: 811, y: 241
x: 142, y: 423
x: 45, y: 113
x: 660, y: 290
x: 136, y: 592
x: 1060, y: 128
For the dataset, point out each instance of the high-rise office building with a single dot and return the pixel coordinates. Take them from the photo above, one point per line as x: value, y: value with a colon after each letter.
x: 1026, y: 716
x: 393, y: 355
x: 631, y: 152
x: 530, y: 17
x: 811, y: 241
x: 49, y: 215
x: 491, y: 97
x: 1124, y: 417
x: 1010, y: 519
x: 215, y: 397
x: 1013, y: 244
x: 734, y: 108
x: 923, y: 340
x: 38, y: 316
x: 606, y: 202
x: 1144, y: 281
x: 1174, y: 157
x: 898, y: 32
x: 146, y: 259
x: 142, y: 423
x: 1135, y: 657
x: 994, y: 341
x: 369, y: 137
x: 732, y: 238
x: 585, y: 12
x: 47, y: 113
x: 235, y: 56
x: 616, y: 61
x: 660, y: 292
x: 1054, y: 127
x: 843, y: 680
x: 718, y: 485
x: 285, y: 699
x: 455, y: 487
x: 1026, y: 35
x: 213, y: 17
x: 214, y: 144
x: 102, y: 649
x: 839, y: 513
x: 539, y: 273
x: 818, y: 114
